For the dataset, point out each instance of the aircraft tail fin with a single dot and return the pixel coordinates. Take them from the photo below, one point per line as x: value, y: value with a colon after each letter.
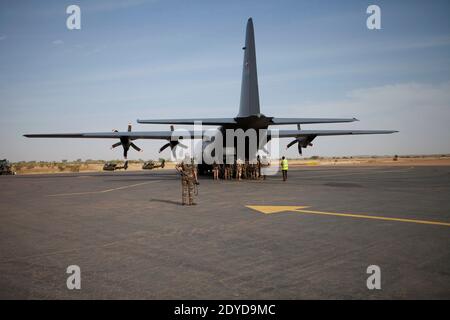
x: 249, y: 104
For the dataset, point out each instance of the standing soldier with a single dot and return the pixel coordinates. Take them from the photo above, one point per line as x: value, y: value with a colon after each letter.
x: 254, y: 171
x: 221, y: 171
x: 188, y: 177
x: 215, y: 168
x: 238, y: 169
x: 245, y: 169
x: 250, y: 170
x: 228, y: 171
x: 225, y: 171
x: 284, y: 167
x: 258, y: 164
x: 232, y: 170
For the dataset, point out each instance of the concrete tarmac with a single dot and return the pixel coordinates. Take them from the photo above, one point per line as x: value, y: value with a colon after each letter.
x: 132, y: 239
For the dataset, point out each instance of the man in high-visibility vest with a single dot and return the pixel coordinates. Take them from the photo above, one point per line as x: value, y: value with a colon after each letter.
x: 284, y: 168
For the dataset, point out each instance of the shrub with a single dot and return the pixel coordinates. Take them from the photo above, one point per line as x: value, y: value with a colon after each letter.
x: 74, y: 168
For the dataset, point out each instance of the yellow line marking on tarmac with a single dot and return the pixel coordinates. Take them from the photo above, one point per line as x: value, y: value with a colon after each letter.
x: 101, y: 191
x: 301, y: 209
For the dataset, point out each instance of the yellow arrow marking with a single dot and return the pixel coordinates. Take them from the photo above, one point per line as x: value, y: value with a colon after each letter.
x: 277, y: 209
x: 274, y: 209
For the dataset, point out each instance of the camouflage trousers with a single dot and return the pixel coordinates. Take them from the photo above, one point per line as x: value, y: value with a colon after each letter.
x: 187, y: 191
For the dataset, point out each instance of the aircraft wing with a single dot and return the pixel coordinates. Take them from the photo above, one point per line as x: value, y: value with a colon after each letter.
x: 117, y: 135
x: 205, y: 121
x: 225, y: 121
x: 276, y: 121
x: 193, y: 134
x: 316, y: 133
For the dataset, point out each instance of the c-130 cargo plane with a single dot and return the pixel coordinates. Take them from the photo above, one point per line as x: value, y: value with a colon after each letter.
x: 249, y: 117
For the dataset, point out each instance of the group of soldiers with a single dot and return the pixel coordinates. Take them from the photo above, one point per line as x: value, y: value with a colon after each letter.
x: 239, y: 170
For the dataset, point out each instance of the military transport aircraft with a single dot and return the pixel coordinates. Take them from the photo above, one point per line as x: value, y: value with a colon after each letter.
x: 249, y: 117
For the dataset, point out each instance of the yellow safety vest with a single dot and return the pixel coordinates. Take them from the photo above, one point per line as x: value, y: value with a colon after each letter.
x: 284, y: 164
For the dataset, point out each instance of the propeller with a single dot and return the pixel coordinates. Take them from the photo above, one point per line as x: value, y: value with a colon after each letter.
x: 126, y: 143
x: 302, y: 142
x: 172, y: 144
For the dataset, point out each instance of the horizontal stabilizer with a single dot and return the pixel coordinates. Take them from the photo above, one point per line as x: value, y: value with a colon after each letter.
x: 207, y: 121
x: 280, y: 121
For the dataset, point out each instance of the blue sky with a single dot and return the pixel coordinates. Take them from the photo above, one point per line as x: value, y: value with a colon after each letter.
x: 156, y: 59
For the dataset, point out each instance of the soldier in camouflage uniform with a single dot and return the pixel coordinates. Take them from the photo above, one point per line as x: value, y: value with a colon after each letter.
x: 245, y: 169
x: 252, y: 170
x: 222, y: 171
x: 215, y: 169
x: 258, y: 166
x: 226, y: 173
x: 249, y: 170
x: 239, y: 166
x: 188, y: 178
x: 232, y: 170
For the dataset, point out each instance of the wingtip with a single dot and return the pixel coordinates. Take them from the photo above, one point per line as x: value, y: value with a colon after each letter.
x: 355, y: 119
